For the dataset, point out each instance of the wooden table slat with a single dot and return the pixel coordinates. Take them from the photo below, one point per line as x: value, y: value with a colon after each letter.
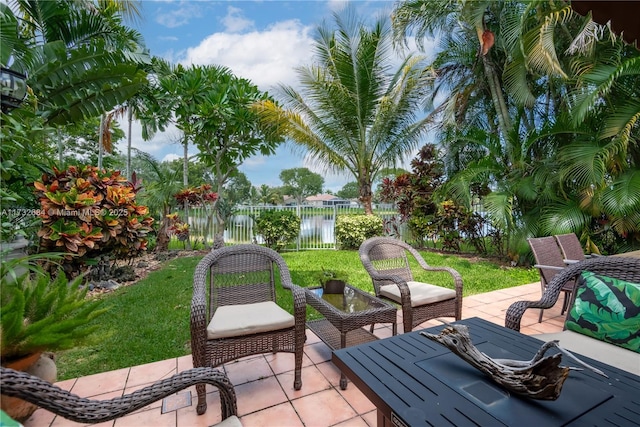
x: 405, y: 377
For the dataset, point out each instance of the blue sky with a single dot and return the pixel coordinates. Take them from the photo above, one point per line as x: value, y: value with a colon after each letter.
x: 260, y: 40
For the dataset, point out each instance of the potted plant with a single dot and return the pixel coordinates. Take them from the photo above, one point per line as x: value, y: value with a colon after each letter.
x: 39, y: 315
x: 333, y: 281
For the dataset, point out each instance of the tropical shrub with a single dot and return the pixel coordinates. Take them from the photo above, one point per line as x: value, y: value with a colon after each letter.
x: 277, y: 228
x: 44, y: 314
x: 352, y: 230
x: 89, y: 213
x: 196, y: 196
x: 177, y: 227
x: 200, y: 197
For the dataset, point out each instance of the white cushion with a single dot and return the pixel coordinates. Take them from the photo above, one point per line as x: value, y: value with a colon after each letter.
x: 421, y: 293
x: 248, y: 319
x: 599, y: 350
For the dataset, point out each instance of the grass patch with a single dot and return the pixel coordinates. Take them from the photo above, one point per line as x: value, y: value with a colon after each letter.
x: 149, y: 321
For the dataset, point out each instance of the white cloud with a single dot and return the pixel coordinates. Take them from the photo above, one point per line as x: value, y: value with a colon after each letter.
x: 235, y: 21
x: 159, y: 146
x: 179, y: 16
x: 265, y: 57
x: 255, y: 162
x: 170, y: 157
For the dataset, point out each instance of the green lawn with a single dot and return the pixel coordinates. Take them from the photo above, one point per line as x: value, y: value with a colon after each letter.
x: 149, y: 321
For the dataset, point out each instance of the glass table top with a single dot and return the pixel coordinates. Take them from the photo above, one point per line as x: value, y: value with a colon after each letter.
x: 351, y: 301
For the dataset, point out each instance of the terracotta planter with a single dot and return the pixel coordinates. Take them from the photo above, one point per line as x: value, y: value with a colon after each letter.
x: 40, y: 365
x: 333, y: 287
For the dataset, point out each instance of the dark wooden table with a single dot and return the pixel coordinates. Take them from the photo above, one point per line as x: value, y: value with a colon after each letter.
x: 413, y: 381
x: 345, y: 315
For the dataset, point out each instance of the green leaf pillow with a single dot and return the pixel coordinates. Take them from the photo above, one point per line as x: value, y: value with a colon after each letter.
x: 607, y: 309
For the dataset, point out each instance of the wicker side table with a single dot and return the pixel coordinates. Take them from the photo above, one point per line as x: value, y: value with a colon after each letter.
x: 345, y: 315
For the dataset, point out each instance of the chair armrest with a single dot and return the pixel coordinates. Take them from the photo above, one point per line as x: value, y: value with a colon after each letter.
x: 198, y: 320
x: 405, y: 294
x: 550, y: 267
x: 457, y: 278
x: 516, y: 310
x: 72, y: 407
x: 570, y: 261
x: 299, y: 303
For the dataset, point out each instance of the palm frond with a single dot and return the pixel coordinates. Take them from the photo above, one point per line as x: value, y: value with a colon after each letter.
x: 622, y: 197
x: 82, y: 82
x: 500, y: 208
x: 563, y: 216
x: 583, y: 163
x: 622, y: 120
x: 599, y: 83
x: 540, y: 45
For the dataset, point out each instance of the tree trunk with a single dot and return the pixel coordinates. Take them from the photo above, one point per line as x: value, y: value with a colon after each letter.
x: 162, y: 240
x: 497, y: 97
x: 100, y: 142
x: 366, y: 196
x: 130, y: 118
x: 185, y: 161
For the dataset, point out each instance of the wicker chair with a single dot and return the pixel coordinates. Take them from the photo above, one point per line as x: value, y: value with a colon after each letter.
x: 385, y: 259
x: 571, y: 248
x: 549, y: 262
x: 240, y: 317
x: 612, y: 266
x: 72, y: 407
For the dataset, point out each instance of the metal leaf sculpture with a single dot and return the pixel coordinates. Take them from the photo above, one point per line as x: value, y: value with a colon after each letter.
x: 539, y: 378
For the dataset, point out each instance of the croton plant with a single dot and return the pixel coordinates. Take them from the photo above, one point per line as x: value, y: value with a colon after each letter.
x: 89, y: 212
x: 196, y: 196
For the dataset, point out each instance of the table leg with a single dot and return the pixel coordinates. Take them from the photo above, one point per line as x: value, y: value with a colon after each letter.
x: 383, y: 421
x: 343, y: 344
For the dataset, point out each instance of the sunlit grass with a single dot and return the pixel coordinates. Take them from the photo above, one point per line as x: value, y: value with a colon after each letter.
x: 149, y: 321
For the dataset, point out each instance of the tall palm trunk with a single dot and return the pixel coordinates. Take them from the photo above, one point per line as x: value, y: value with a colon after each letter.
x: 497, y: 96
x: 366, y: 195
x: 130, y: 120
x: 185, y: 180
x: 101, y: 141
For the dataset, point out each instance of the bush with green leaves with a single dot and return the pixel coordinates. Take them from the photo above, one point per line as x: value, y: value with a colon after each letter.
x: 43, y: 314
x: 277, y: 228
x: 90, y: 213
x: 352, y: 230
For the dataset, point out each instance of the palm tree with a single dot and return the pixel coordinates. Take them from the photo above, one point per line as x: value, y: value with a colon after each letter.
x: 79, y: 59
x: 355, y: 111
x: 549, y: 174
x: 159, y: 189
x: 267, y: 195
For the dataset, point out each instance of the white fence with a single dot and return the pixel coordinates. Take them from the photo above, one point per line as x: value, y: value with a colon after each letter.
x: 317, y: 224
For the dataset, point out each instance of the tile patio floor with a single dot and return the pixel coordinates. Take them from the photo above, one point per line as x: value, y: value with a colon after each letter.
x: 264, y: 384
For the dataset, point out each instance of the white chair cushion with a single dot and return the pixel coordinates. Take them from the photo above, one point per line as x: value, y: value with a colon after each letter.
x: 248, y: 319
x: 605, y: 352
x: 421, y: 293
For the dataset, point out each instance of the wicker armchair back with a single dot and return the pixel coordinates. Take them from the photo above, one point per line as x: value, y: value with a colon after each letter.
x: 550, y: 261
x: 242, y: 274
x: 612, y: 266
x: 570, y: 246
x: 72, y: 407
x: 386, y: 261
